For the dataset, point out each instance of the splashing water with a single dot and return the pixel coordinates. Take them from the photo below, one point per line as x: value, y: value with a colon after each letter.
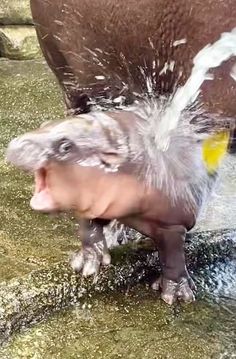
x: 209, y: 57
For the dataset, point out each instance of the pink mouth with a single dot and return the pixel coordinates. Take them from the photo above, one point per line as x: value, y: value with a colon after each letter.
x: 42, y: 199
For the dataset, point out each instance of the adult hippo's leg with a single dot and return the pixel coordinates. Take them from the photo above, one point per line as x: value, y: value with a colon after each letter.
x: 48, y: 32
x: 94, y: 251
x: 174, y: 282
x: 86, y: 46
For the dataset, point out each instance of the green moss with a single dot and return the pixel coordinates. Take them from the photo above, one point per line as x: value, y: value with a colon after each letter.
x: 29, y: 95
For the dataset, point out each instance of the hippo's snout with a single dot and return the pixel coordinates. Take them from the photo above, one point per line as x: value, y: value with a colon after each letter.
x: 27, y: 152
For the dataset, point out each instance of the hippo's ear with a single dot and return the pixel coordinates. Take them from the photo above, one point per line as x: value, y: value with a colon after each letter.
x: 111, y: 158
x: 45, y: 123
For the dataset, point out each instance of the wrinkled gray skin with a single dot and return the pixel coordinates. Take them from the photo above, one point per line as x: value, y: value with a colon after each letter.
x: 107, y: 51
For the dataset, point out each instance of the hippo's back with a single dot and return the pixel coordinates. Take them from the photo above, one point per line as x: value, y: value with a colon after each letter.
x: 110, y: 48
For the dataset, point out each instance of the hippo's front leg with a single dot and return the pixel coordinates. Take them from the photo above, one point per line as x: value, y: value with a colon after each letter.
x: 94, y: 251
x: 174, y: 282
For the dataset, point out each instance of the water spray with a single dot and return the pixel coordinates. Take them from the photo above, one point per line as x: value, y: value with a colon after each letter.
x: 209, y: 57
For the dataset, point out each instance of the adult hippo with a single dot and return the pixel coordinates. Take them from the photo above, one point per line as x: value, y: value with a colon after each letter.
x: 107, y: 165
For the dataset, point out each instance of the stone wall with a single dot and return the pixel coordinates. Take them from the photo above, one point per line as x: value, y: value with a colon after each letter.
x: 18, y: 39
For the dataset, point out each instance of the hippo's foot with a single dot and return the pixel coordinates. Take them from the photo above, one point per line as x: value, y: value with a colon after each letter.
x: 172, y: 291
x: 89, y: 260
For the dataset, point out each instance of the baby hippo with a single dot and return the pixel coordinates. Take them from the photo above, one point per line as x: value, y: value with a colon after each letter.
x: 107, y: 166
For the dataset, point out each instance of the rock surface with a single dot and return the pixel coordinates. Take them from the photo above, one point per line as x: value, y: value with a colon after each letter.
x: 15, y: 12
x: 134, y: 324
x: 32, y: 298
x: 19, y: 42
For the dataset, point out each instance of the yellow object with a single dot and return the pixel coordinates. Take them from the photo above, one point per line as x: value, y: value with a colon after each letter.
x: 214, y: 149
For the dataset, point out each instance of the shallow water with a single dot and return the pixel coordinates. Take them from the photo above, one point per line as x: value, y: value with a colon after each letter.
x: 221, y: 208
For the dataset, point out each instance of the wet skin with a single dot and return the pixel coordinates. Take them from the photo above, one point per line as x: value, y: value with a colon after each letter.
x: 95, y: 197
x: 96, y: 50
x: 98, y: 193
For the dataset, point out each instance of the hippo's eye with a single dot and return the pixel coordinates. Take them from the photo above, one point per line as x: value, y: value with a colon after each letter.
x: 65, y: 146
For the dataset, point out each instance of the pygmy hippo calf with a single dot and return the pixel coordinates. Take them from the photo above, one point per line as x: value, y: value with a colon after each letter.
x: 108, y: 165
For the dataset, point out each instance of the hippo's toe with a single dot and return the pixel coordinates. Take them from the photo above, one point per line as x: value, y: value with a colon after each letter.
x: 171, y: 291
x: 88, y: 261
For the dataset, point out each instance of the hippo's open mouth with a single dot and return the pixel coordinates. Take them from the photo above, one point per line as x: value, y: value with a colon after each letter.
x: 42, y: 199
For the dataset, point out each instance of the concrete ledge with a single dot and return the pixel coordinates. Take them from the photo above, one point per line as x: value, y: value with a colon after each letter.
x: 32, y: 298
x: 19, y: 43
x: 15, y: 12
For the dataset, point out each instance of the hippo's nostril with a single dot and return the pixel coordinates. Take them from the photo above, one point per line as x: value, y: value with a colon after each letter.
x: 26, y: 153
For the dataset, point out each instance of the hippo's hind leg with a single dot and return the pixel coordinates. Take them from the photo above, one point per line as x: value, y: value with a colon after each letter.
x: 174, y: 282
x: 45, y: 15
x: 75, y: 99
x: 94, y: 251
